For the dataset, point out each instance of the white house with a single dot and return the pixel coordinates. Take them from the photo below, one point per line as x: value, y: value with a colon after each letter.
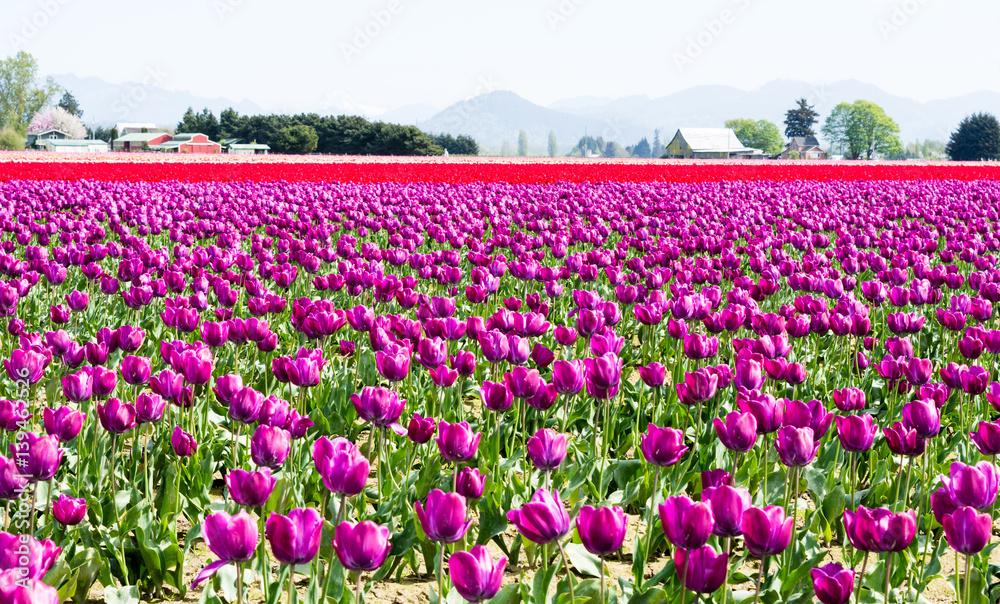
x: 75, y: 146
x: 709, y: 143
x: 124, y: 128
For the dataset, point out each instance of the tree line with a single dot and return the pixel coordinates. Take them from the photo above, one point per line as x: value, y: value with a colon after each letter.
x: 314, y: 133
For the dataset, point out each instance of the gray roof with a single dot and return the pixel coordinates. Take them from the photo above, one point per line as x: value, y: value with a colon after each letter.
x: 249, y: 146
x: 712, y: 140
x: 139, y: 137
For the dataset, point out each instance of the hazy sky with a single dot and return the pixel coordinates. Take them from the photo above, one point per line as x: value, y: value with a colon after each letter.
x: 382, y: 54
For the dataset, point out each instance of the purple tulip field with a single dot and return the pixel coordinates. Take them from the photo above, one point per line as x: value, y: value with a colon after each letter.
x: 632, y: 393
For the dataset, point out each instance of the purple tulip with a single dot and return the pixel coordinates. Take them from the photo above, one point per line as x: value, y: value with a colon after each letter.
x: 149, y: 408
x: 26, y: 365
x: 496, y: 396
x: 543, y: 519
x: 30, y: 557
x: 79, y: 386
x: 194, y: 364
x: 15, y: 589
x: 856, y: 432
x: 136, y: 370
x: 12, y: 482
x: 686, y: 524
x: 470, y: 483
x: 522, y: 382
x: 230, y: 538
x: 295, y: 537
x: 738, y: 432
x: 654, y: 375
x: 568, y: 377
x: 768, y: 412
x: 966, y: 531
x: 766, y: 531
x: 444, y: 516
x: 832, y: 583
x: 341, y: 465
x: 602, y: 530
x: 250, y: 489
x: 987, y: 438
x: 662, y: 447
x: 749, y: 374
x: 547, y: 449
x: 306, y: 368
x: 701, y: 570
x: 246, y: 405
x: 698, y: 387
x: 457, y: 442
x: 880, y: 530
x: 63, y: 423
x: 105, y: 381
x: 975, y: 380
x: 381, y: 406
x: 421, y: 429
x: 796, y: 446
x: 270, y: 446
x: 728, y: 504
x: 849, y: 399
x: 974, y: 486
x: 183, y: 443
x: 807, y: 415
x: 116, y: 417
x: 361, y: 546
x: 476, y: 576
x: 922, y: 415
x: 904, y: 441
x: 69, y: 511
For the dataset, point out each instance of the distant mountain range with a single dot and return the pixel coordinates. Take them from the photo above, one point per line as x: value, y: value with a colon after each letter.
x: 498, y: 116
x: 105, y: 103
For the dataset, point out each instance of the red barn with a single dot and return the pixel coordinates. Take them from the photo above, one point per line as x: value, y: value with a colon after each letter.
x: 189, y: 143
x: 140, y: 141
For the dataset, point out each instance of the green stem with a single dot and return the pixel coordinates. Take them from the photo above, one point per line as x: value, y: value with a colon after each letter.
x: 763, y: 463
x: 602, y: 580
x: 441, y: 574
x: 760, y: 576
x: 291, y: 578
x: 649, y: 524
x: 965, y: 598
x: 239, y: 583
x: 888, y: 573
x: 861, y: 580
x: 569, y: 573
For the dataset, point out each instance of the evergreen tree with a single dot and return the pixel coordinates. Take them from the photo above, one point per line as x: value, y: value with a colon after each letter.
x: 298, y: 140
x: 799, y: 121
x: 642, y: 149
x: 522, y: 143
x: 976, y: 139
x: 658, y: 148
x: 553, y: 144
x: 68, y: 102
